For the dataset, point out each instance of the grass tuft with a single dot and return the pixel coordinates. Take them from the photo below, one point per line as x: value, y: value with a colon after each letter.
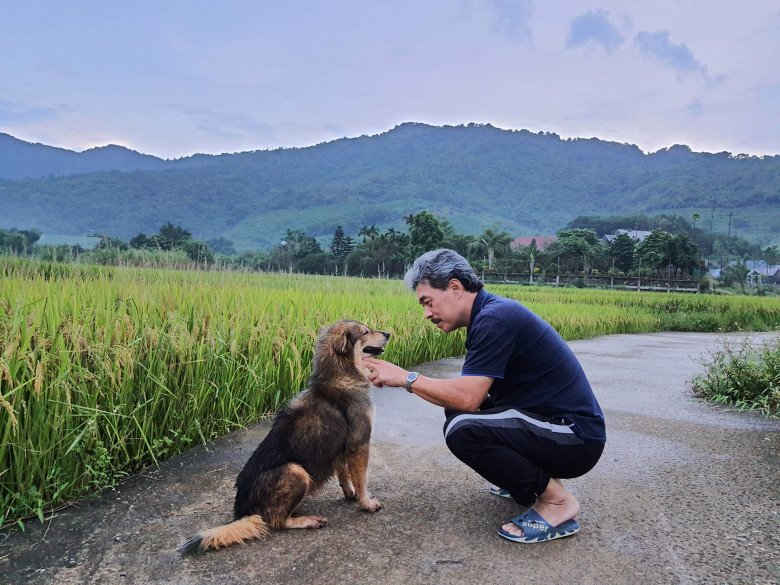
x: 744, y: 377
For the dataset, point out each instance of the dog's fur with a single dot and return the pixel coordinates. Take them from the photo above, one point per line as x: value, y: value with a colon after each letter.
x: 324, y: 430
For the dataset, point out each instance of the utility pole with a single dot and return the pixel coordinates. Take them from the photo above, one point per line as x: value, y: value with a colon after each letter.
x: 730, y: 214
x: 639, y: 278
x: 712, y: 220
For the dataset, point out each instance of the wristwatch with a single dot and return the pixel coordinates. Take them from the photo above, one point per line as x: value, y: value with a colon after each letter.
x: 410, y: 378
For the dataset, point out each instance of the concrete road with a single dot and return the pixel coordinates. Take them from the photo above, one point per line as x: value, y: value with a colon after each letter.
x: 686, y: 492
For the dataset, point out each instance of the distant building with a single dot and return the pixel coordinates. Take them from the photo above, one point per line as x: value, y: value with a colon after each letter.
x: 541, y: 241
x: 636, y: 235
x: 83, y: 242
x: 759, y: 272
x: 763, y: 273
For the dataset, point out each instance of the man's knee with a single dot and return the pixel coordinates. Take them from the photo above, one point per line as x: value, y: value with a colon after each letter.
x: 461, y: 442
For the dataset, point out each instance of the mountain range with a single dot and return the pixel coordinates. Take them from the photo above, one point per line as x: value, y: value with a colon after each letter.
x: 475, y: 175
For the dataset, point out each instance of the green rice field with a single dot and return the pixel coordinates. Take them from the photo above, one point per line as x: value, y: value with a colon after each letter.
x: 104, y: 371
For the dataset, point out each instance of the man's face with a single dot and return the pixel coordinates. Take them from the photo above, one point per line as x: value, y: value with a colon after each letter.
x: 444, y: 308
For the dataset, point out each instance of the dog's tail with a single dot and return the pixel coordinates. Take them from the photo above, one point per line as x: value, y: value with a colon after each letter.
x: 241, y: 530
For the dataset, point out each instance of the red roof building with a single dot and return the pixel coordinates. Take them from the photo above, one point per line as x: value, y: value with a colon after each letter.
x: 541, y: 241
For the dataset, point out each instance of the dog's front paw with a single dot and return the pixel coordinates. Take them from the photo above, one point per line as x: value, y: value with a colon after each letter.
x: 371, y: 505
x: 318, y: 521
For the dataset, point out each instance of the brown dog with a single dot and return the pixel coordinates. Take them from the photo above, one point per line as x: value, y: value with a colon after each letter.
x: 324, y: 430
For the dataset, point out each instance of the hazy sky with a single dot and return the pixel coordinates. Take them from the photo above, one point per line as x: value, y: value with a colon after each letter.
x: 172, y: 78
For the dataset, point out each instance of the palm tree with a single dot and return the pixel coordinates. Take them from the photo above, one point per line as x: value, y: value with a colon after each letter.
x: 369, y: 233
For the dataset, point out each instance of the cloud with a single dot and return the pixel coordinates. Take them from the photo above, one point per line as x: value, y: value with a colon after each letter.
x: 593, y: 27
x: 679, y: 57
x: 510, y: 19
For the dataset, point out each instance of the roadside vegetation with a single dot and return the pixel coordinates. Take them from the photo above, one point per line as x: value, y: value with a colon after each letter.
x: 106, y: 370
x: 744, y: 377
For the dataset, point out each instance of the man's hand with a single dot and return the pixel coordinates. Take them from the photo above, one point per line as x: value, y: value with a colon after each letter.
x: 464, y: 393
x: 384, y: 373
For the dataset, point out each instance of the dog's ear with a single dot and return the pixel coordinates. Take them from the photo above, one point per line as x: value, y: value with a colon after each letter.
x: 343, y: 342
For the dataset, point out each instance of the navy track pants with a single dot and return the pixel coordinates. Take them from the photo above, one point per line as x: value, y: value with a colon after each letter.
x: 518, y: 450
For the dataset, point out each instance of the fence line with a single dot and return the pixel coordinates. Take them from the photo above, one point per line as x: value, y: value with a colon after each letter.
x: 593, y: 281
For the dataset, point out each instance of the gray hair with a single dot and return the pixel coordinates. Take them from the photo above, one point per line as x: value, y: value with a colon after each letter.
x: 438, y: 267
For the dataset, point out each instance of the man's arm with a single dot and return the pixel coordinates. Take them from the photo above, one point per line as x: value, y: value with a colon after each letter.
x: 465, y: 393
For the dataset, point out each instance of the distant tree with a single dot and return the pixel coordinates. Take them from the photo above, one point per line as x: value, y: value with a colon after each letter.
x: 295, y: 246
x: 493, y: 243
x: 656, y: 251
x: 337, y: 243
x: 576, y: 247
x: 141, y: 242
x: 674, y: 224
x: 622, y: 251
x: 662, y: 250
x: 197, y: 251
x: 453, y: 240
x: 253, y: 260
x: 685, y: 254
x: 526, y: 259
x: 18, y: 242
x: 695, y: 217
x: 174, y: 234
x: 727, y: 248
x: 736, y: 274
x: 425, y: 233
x: 368, y: 233
x: 315, y: 263
x: 771, y: 255
x: 168, y: 238
x: 31, y: 235
x: 340, y: 247
x: 222, y: 246
x: 109, y: 243
x: 383, y: 254
x: 300, y: 244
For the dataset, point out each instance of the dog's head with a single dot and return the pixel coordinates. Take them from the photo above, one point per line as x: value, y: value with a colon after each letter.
x: 352, y: 339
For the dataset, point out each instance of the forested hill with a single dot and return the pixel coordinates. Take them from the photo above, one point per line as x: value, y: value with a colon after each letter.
x: 475, y: 175
x: 20, y: 160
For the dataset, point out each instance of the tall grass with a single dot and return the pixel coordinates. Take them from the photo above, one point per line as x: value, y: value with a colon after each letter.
x: 744, y: 377
x: 104, y: 371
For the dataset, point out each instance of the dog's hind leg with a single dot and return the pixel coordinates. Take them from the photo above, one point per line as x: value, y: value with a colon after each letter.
x: 306, y: 522
x: 358, y: 470
x: 342, y: 472
x: 290, y: 487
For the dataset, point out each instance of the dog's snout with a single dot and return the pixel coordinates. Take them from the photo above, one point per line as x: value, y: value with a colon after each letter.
x: 386, y: 334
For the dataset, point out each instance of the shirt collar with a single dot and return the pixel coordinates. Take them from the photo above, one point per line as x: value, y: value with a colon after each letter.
x: 479, y: 302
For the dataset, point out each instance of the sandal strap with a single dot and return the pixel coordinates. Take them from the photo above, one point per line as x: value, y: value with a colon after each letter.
x: 531, y: 516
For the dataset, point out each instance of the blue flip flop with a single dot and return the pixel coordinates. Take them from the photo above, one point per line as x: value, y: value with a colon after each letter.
x: 537, y: 529
x: 498, y: 491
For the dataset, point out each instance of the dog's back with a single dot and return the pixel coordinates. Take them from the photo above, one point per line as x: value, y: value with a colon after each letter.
x: 309, y: 431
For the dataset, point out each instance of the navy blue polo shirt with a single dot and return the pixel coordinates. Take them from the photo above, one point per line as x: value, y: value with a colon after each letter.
x: 532, y: 367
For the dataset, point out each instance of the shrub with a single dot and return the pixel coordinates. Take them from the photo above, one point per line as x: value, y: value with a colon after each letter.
x: 743, y: 376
